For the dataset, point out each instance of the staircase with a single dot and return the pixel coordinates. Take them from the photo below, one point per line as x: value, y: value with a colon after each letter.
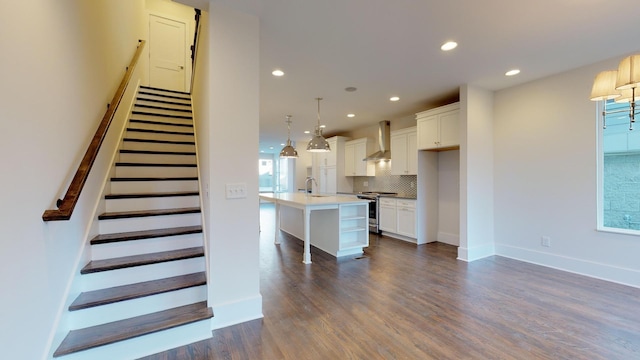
x: 144, y: 290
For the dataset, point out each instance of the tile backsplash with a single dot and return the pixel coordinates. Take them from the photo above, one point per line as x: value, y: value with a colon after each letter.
x: 404, y: 185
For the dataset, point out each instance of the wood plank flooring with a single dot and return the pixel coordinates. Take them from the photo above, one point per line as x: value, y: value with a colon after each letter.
x: 403, y: 301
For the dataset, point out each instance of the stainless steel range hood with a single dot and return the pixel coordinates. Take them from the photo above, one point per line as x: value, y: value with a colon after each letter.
x: 383, y: 142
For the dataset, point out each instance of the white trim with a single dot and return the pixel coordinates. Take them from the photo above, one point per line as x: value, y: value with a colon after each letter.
x: 476, y: 253
x: 236, y: 312
x: 616, y: 274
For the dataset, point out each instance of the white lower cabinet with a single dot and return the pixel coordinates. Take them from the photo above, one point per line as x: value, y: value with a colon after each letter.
x: 398, y: 216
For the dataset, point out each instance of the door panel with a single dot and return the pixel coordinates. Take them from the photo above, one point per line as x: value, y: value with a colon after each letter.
x: 167, y: 53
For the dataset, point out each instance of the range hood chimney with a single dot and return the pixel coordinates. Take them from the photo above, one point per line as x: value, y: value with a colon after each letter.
x: 383, y: 142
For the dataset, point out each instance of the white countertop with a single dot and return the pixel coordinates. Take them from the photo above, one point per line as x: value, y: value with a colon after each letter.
x: 306, y: 199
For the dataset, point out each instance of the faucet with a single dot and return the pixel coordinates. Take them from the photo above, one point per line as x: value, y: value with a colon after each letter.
x: 306, y: 184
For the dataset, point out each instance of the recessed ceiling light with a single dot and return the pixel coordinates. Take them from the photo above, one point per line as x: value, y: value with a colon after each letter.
x: 323, y: 126
x: 394, y: 98
x: 351, y: 115
x: 270, y: 147
x: 350, y: 89
x: 512, y: 72
x: 449, y: 45
x: 282, y: 144
x: 277, y: 72
x: 307, y: 132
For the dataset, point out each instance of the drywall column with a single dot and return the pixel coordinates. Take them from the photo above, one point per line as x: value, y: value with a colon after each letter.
x: 476, y: 174
x: 233, y: 231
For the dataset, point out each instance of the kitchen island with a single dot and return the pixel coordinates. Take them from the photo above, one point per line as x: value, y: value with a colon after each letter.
x: 334, y: 224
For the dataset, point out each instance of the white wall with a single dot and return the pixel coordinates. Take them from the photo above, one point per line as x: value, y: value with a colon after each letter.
x: 449, y: 197
x: 61, y: 63
x: 545, y: 179
x: 233, y: 232
x: 476, y: 174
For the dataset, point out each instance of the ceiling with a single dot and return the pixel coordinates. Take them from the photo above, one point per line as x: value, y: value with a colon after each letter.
x: 392, y: 48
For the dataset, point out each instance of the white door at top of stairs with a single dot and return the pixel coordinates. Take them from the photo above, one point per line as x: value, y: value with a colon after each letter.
x: 167, y: 53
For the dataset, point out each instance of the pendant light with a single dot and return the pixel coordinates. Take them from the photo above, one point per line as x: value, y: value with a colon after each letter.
x: 288, y: 151
x: 318, y: 143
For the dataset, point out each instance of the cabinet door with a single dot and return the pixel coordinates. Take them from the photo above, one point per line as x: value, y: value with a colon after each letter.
x: 412, y: 154
x: 359, y: 153
x: 406, y: 222
x: 428, y: 133
x: 450, y: 129
x: 330, y: 157
x: 399, y: 154
x: 387, y: 218
x: 349, y: 165
x: 330, y: 182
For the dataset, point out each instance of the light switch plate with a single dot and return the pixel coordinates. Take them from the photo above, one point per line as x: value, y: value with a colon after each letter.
x: 236, y: 190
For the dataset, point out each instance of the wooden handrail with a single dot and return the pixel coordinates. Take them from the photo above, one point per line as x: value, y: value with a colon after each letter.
x: 68, y: 203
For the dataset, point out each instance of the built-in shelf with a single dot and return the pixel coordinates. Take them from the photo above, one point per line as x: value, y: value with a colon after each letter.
x: 354, y: 228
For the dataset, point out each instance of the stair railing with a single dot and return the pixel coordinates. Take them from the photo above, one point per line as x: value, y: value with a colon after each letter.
x: 194, y: 47
x: 70, y: 199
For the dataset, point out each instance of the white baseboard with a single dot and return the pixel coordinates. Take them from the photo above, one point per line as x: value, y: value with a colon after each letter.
x: 236, y: 312
x: 476, y: 253
x: 399, y: 237
x: 447, y: 238
x: 629, y: 277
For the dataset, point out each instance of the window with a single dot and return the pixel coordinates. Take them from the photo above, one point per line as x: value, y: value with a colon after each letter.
x: 273, y: 173
x: 619, y: 171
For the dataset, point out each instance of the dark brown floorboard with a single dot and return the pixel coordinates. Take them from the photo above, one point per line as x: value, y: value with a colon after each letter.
x: 404, y: 301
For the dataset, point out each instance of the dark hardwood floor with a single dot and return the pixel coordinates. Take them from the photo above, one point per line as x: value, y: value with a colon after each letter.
x: 402, y: 301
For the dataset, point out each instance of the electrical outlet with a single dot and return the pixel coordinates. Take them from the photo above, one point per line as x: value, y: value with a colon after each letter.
x: 365, y: 183
x: 413, y: 184
x: 236, y: 191
x: 545, y: 241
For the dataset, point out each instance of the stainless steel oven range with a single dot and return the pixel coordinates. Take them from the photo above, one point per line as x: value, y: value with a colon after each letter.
x: 374, y: 207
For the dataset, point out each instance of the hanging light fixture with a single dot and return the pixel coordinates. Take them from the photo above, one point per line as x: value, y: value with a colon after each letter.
x: 619, y: 85
x: 318, y: 143
x: 288, y: 151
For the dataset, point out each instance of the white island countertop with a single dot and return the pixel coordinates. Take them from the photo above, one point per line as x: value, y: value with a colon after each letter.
x: 340, y: 227
x: 306, y: 199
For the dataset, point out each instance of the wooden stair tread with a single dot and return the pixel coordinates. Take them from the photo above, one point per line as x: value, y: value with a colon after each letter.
x: 133, y: 291
x: 153, y: 141
x: 184, y: 178
x: 157, y: 152
x: 160, y: 123
x: 165, y: 90
x: 140, y: 260
x: 145, y: 213
x: 145, y: 234
x: 153, y: 131
x: 87, y: 338
x: 151, y: 195
x: 161, y: 108
x: 135, y: 164
x: 135, y: 112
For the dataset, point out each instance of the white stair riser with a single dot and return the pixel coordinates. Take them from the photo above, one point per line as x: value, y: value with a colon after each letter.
x: 155, y: 171
x: 114, y: 205
x: 130, y: 187
x: 162, y: 112
x: 135, y: 307
x: 134, y: 145
x: 147, y: 345
x: 169, y: 97
x: 144, y: 246
x: 158, y: 158
x: 170, y: 106
x: 148, y: 223
x: 166, y: 126
x: 107, y: 279
x: 159, y: 117
x: 160, y: 136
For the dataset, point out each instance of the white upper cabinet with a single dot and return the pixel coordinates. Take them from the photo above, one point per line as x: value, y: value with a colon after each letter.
x: 439, y: 128
x: 328, y: 168
x: 404, y: 152
x: 354, y: 153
